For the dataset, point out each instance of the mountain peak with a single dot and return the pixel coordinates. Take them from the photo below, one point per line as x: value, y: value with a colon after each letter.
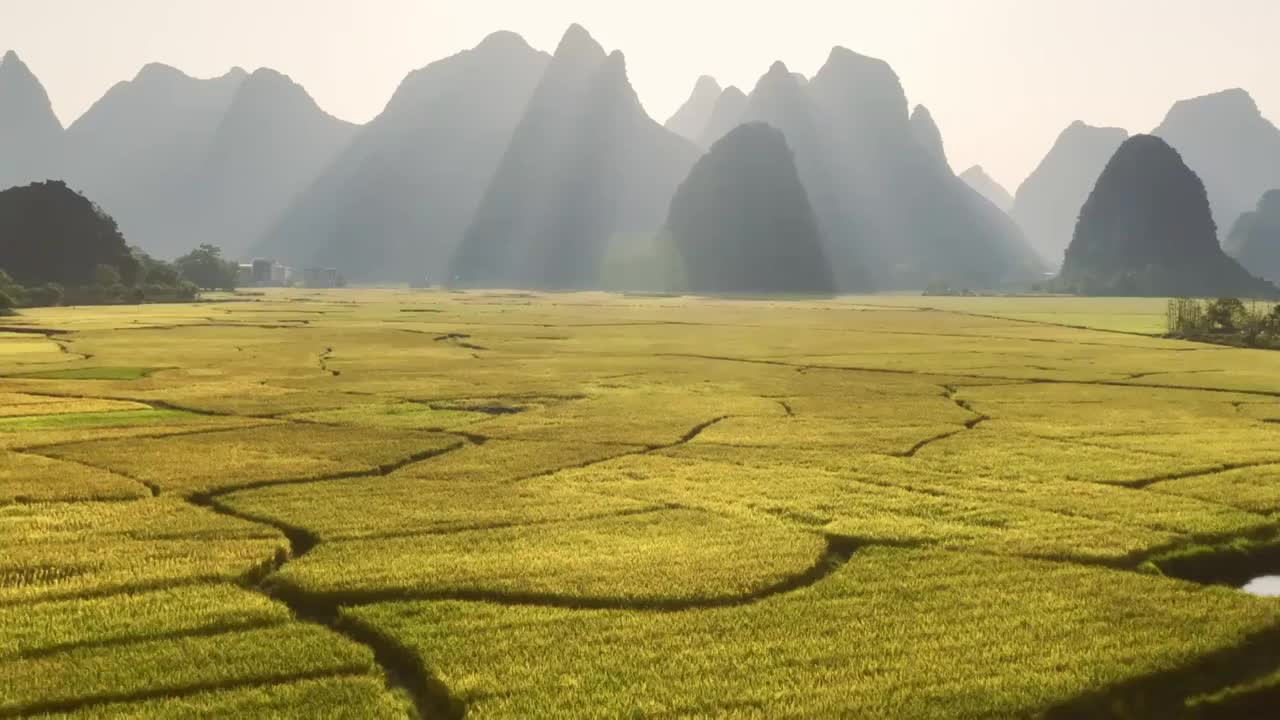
x: 706, y: 83
x: 978, y: 179
x: 927, y: 133
x: 503, y: 40
x: 779, y: 68
x: 1235, y: 101
x: 691, y: 120
x: 577, y: 42
x: 9, y: 57
x: 158, y: 71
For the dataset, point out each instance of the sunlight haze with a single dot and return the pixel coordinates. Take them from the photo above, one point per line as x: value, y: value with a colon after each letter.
x: 1002, y: 77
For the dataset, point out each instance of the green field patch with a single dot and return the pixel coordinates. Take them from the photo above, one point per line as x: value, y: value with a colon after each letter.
x: 276, y: 453
x: 815, y: 434
x: 866, y: 507
x: 150, y: 668
x: 59, y: 550
x: 20, y: 405
x: 113, y: 418
x: 879, y: 638
x: 1256, y: 489
x: 31, y: 478
x: 646, y: 417
x: 669, y: 556
x: 90, y: 373
x: 509, y: 460
x: 372, y: 507
x: 366, y: 698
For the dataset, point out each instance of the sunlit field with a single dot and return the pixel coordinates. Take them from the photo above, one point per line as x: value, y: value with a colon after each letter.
x: 392, y: 504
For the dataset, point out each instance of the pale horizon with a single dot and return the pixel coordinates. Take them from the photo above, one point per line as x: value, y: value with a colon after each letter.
x: 1001, y: 77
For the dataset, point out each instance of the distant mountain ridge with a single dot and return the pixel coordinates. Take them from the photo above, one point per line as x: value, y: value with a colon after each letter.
x: 694, y: 116
x: 139, y: 152
x: 1047, y: 204
x: 1231, y: 146
x: 586, y: 170
x: 394, y: 203
x: 1255, y: 238
x: 892, y: 213
x: 986, y: 186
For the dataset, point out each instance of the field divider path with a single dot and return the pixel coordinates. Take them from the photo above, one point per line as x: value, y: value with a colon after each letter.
x: 685, y: 439
x: 836, y: 554
x: 400, y: 668
x: 185, y: 691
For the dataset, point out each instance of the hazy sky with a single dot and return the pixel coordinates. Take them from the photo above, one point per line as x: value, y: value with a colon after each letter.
x: 1002, y: 77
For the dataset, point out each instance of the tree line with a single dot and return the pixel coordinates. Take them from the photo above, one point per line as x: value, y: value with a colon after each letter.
x: 58, y: 248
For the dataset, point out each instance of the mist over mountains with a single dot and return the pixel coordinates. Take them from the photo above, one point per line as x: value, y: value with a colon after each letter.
x: 586, y: 170
x: 394, y: 204
x: 507, y: 166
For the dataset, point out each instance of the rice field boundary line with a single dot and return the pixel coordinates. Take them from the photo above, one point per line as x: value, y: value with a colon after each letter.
x: 1164, y: 693
x: 1145, y: 483
x: 151, y: 487
x: 837, y: 552
x: 687, y: 438
x: 127, y: 640
x: 966, y: 376
x: 72, y: 705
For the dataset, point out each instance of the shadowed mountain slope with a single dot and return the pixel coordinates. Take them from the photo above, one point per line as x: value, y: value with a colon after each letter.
x: 1255, y: 238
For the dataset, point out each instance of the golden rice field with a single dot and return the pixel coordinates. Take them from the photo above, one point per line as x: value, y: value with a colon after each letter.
x: 397, y: 504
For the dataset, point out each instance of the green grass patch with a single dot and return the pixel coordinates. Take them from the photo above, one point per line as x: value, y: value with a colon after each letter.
x: 117, y: 418
x: 90, y: 373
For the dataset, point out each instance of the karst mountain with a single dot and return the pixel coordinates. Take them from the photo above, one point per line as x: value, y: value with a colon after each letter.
x: 1146, y: 229
x: 587, y: 173
x: 1048, y: 202
x: 986, y: 186
x: 1226, y: 140
x: 30, y: 134
x: 393, y: 205
x: 742, y: 222
x: 1255, y: 238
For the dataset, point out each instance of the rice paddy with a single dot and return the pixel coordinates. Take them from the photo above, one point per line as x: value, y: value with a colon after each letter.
x: 399, y: 504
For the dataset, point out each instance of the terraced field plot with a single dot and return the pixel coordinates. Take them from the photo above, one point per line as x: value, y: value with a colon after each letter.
x: 388, y: 504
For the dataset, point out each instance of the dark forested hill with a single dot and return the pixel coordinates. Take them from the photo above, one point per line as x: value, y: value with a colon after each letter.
x: 1146, y: 229
x: 50, y: 233
x: 742, y: 222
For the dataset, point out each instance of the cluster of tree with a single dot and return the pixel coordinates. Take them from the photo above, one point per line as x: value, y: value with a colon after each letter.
x: 57, y: 247
x: 1225, y: 320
